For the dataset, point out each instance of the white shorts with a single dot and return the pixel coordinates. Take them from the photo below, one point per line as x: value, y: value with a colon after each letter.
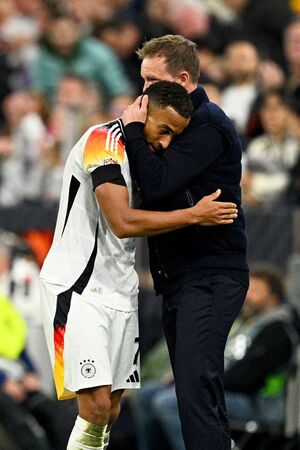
x: 89, y: 344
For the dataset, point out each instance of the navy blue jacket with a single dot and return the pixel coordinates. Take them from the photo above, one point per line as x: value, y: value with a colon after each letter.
x: 205, y: 157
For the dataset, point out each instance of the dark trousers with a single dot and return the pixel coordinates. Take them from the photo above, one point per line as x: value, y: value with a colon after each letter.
x: 197, y: 319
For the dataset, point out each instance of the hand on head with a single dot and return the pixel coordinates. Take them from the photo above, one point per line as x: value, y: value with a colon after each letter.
x: 137, y: 111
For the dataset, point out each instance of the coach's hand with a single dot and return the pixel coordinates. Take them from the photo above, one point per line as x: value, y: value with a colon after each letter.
x: 137, y: 111
x: 209, y: 212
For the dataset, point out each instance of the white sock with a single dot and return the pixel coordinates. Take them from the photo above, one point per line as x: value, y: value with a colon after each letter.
x: 87, y: 436
x: 107, y: 437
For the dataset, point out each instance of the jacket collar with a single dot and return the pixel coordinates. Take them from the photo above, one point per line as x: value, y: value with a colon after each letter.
x: 199, y: 97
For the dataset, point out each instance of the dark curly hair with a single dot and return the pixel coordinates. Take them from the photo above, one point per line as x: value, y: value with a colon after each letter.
x: 169, y: 93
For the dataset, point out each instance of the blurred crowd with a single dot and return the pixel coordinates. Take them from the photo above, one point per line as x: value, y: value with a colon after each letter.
x: 256, y: 376
x: 66, y: 65
x: 30, y: 416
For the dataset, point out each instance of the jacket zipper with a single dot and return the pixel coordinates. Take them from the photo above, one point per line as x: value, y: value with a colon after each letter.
x: 189, y: 198
x: 162, y: 270
x: 191, y: 203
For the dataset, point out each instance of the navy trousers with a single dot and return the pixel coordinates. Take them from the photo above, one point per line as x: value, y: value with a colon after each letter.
x: 197, y: 319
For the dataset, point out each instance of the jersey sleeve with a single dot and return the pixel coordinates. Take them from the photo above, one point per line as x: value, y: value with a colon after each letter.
x: 103, y: 156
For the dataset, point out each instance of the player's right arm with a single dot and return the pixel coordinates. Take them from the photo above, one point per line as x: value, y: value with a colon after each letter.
x: 126, y: 221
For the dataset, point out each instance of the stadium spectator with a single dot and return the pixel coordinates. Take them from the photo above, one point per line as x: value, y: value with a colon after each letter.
x: 94, y: 12
x: 248, y: 78
x: 211, y: 60
x: 23, y: 405
x: 19, y: 33
x: 19, y: 277
x: 76, y: 102
x: 153, y: 18
x: 255, y: 374
x: 5, y: 82
x: 23, y: 168
x: 292, y: 54
x: 241, y: 64
x: 255, y: 21
x: 269, y: 158
x: 77, y: 106
x: 293, y: 194
x: 131, y: 33
x: 89, y: 12
x: 189, y: 18
x: 64, y: 49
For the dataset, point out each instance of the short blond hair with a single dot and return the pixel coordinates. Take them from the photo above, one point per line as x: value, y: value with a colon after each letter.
x: 179, y: 54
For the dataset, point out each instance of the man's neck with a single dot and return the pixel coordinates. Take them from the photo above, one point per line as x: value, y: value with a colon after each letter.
x: 191, y: 87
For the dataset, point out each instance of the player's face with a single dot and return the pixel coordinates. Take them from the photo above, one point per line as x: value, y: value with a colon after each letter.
x: 154, y: 69
x: 162, y: 125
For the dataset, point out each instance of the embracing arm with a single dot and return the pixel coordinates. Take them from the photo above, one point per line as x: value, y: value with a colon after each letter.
x: 126, y: 222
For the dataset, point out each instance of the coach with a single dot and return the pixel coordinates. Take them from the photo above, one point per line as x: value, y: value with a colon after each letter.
x: 201, y: 272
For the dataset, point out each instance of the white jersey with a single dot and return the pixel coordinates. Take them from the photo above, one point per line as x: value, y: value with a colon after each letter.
x: 85, y: 255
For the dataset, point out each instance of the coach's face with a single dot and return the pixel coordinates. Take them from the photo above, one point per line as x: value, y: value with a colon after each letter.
x: 154, y: 69
x: 162, y: 125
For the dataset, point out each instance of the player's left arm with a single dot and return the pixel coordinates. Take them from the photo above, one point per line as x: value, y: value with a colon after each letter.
x: 103, y: 156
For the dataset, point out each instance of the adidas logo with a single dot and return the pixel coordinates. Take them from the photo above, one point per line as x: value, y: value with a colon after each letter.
x: 133, y: 378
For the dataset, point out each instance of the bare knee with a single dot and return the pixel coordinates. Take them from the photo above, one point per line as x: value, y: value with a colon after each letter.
x: 95, y: 405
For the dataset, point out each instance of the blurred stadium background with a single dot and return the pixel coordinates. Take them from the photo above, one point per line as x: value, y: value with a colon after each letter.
x: 68, y: 64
